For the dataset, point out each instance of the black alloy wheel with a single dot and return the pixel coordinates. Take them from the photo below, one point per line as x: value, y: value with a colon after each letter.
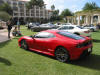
x: 24, y: 44
x: 61, y: 54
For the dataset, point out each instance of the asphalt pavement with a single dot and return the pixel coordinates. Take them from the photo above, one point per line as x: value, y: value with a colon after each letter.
x: 4, y: 35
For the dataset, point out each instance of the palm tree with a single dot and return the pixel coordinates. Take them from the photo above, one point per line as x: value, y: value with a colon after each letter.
x: 90, y: 6
x: 55, y: 13
x: 52, y: 7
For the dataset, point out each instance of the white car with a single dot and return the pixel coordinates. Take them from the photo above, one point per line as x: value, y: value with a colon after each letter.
x: 66, y: 24
x: 75, y: 29
x: 91, y: 27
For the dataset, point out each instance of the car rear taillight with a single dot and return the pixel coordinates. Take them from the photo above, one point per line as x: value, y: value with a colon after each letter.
x: 80, y: 45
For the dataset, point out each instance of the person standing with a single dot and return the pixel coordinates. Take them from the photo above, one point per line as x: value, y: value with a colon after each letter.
x: 18, y: 24
x: 9, y: 26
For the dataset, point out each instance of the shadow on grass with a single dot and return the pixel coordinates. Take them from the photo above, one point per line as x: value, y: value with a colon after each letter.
x: 16, y: 37
x: 5, y: 61
x: 92, y: 62
x: 41, y: 54
x: 96, y: 40
x: 3, y: 44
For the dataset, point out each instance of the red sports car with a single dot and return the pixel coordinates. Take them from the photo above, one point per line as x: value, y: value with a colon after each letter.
x: 63, y: 45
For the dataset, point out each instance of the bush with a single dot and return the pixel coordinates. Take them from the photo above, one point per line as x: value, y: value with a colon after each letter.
x: 4, y: 16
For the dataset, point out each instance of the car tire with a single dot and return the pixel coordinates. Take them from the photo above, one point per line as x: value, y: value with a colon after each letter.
x: 62, y: 54
x: 24, y: 45
x: 77, y: 33
x: 32, y: 30
x: 92, y: 30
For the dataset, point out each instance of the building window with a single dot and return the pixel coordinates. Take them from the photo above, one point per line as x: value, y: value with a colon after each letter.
x: 37, y: 14
x: 15, y: 3
x: 32, y: 15
x: 15, y: 14
x: 15, y: 8
x: 37, y: 11
x: 27, y: 15
x: 22, y: 14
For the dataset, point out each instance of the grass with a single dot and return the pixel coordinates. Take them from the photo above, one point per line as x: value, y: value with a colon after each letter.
x: 17, y: 61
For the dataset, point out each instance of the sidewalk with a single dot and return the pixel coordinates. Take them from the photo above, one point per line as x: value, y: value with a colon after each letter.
x: 4, y: 35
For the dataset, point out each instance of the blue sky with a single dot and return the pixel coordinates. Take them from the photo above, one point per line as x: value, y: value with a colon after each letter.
x: 73, y: 5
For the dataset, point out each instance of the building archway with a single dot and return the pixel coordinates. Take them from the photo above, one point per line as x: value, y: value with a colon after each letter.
x: 90, y: 17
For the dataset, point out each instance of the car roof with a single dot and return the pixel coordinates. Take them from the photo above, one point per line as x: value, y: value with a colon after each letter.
x: 71, y: 25
x: 51, y: 31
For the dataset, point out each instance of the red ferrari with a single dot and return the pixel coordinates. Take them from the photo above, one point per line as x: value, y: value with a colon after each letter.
x: 63, y: 45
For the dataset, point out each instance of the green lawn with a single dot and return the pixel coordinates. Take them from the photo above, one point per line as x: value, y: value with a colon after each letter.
x: 17, y: 61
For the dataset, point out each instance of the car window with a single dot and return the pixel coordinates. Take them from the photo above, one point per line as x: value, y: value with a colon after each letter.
x: 71, y: 27
x: 63, y: 28
x: 70, y: 35
x: 44, y: 35
x: 80, y: 27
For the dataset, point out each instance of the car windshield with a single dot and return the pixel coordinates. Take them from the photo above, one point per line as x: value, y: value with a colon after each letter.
x: 70, y: 35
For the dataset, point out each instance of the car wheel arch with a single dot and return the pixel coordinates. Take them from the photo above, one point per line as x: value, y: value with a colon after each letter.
x: 26, y: 43
x: 60, y: 46
x: 22, y: 40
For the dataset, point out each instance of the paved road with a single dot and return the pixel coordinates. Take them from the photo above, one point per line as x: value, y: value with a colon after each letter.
x: 4, y: 35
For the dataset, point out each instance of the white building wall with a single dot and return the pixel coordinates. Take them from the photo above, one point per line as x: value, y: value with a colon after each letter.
x: 36, y: 14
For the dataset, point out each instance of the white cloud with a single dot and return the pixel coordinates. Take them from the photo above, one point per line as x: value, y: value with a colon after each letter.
x: 49, y: 3
x: 73, y: 5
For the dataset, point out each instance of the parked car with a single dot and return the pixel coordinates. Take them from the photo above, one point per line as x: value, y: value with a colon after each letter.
x: 62, y: 24
x: 75, y: 29
x: 40, y: 28
x: 32, y: 24
x: 43, y: 27
x: 91, y: 27
x: 66, y: 24
x: 51, y: 25
x: 60, y: 44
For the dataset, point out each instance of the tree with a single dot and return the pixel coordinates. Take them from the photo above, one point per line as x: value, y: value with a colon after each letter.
x: 55, y: 14
x: 90, y: 6
x: 52, y: 7
x: 66, y: 12
x: 31, y: 3
x: 4, y: 16
x: 6, y: 7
